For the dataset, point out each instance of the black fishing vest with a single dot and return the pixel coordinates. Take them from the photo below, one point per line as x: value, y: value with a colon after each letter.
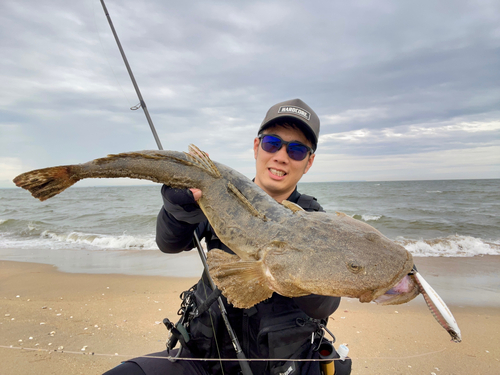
x: 275, y: 328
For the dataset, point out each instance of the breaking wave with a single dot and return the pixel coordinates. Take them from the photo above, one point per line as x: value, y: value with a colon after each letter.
x: 101, y: 241
x: 367, y: 217
x: 451, y: 246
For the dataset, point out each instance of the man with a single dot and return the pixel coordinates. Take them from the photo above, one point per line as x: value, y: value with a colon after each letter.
x: 279, y: 327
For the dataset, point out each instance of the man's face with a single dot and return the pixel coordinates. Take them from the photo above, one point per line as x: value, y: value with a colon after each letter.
x: 277, y: 174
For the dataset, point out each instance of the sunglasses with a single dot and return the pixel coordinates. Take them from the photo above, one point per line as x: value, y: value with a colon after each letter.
x: 295, y: 150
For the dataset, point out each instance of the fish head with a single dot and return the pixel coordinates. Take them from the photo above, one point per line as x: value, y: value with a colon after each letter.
x: 337, y: 255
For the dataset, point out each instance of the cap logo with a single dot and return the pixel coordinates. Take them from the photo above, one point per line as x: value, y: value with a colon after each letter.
x: 295, y: 110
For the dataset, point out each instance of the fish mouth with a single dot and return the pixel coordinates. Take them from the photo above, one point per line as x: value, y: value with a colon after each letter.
x: 401, y: 291
x: 404, y: 291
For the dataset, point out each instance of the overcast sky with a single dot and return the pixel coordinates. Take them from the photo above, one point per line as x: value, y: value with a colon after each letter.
x: 404, y: 90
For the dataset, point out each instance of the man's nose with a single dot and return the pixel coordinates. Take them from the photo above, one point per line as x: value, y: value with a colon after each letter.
x: 281, y: 155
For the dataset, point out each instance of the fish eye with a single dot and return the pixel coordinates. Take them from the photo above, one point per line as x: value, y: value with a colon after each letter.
x: 354, y: 268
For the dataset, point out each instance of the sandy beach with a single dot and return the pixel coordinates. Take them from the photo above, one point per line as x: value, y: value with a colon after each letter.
x: 60, y: 319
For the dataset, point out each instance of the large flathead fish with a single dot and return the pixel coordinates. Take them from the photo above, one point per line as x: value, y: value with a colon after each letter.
x: 279, y: 247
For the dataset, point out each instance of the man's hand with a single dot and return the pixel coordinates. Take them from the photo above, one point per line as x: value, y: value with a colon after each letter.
x: 196, y: 194
x: 182, y: 205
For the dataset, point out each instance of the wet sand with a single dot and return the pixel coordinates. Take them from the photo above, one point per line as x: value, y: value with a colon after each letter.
x: 64, y: 317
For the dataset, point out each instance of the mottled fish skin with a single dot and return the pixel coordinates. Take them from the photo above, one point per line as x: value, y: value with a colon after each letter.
x: 279, y: 247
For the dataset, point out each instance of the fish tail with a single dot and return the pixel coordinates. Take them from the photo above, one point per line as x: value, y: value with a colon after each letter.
x: 45, y: 183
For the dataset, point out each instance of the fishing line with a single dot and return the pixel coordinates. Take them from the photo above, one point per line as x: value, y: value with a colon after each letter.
x: 213, y: 329
x: 170, y: 358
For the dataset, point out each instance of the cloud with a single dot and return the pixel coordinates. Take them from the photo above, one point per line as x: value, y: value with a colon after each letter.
x: 476, y: 163
x: 9, y: 168
x: 361, y: 115
x: 386, y: 78
x: 414, y: 138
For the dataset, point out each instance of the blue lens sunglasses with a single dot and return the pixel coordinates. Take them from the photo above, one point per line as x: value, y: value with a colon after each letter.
x: 295, y: 150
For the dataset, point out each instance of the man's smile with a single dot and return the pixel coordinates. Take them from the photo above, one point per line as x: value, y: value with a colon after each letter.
x: 277, y: 172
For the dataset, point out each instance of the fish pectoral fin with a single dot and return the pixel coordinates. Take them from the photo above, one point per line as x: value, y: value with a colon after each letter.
x: 242, y: 282
x: 292, y: 206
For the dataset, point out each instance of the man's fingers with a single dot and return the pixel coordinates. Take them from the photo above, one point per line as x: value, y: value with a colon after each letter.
x: 196, y: 193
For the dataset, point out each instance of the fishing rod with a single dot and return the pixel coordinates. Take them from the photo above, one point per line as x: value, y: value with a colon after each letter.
x: 245, y: 367
x: 141, y: 100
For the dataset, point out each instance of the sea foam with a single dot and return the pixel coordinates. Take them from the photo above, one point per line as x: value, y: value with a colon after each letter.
x: 451, y: 246
x: 366, y: 217
x: 101, y: 241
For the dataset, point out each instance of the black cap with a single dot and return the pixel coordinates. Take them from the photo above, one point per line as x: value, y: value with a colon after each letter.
x: 296, y: 109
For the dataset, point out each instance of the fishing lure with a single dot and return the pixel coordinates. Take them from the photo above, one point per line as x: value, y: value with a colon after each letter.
x: 438, y: 308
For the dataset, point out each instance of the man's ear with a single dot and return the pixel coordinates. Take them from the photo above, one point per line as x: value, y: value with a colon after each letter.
x: 309, y: 163
x: 256, y: 143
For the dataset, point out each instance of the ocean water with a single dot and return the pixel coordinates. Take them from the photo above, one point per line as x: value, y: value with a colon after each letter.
x: 449, y: 218
x: 112, y: 229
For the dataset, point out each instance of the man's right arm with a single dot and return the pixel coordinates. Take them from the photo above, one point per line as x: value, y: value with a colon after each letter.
x: 177, y: 220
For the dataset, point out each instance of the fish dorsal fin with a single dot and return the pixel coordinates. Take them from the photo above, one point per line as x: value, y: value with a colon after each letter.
x: 292, y: 206
x: 246, y: 203
x: 243, y: 283
x: 202, y: 160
